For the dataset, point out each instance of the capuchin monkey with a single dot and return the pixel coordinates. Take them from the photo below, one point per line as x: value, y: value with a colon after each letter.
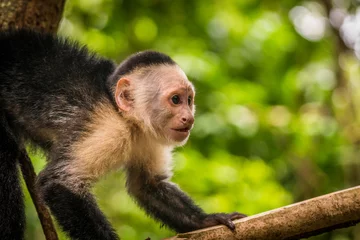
x: 91, y: 117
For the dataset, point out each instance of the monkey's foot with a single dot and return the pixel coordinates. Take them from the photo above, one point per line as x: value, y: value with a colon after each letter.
x: 221, y: 218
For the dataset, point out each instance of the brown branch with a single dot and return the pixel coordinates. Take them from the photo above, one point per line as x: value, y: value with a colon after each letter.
x: 44, y: 16
x: 29, y: 176
x: 303, y: 219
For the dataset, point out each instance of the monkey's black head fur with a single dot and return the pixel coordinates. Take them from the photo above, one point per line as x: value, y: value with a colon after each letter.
x: 143, y: 59
x: 139, y: 60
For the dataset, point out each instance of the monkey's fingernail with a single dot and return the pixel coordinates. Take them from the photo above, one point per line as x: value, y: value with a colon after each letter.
x: 231, y: 225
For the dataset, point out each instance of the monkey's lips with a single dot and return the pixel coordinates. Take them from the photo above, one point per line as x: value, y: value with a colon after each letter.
x: 180, y: 134
x: 184, y: 130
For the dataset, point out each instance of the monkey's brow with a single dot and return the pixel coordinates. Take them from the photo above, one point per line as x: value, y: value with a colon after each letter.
x: 191, y: 88
x: 185, y: 89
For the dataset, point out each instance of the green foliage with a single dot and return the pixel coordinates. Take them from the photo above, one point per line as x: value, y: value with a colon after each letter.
x: 273, y: 125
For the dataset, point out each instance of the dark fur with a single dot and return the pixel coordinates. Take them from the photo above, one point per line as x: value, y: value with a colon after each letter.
x: 48, y: 90
x: 164, y: 201
x: 139, y: 60
x: 12, y: 219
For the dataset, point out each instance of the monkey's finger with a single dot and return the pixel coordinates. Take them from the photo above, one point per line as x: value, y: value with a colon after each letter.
x: 230, y: 224
x: 236, y: 215
x: 226, y: 220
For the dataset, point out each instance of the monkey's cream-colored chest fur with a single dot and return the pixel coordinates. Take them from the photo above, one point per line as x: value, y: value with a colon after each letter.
x: 110, y: 145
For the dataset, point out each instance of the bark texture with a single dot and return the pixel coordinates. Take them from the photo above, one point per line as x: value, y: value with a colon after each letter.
x: 40, y: 15
x: 303, y: 219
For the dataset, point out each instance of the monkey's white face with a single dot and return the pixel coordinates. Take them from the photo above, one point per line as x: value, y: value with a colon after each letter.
x: 176, y: 118
x: 180, y: 102
x: 162, y: 99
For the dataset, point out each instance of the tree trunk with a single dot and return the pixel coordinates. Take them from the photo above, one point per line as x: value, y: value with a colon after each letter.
x: 40, y: 15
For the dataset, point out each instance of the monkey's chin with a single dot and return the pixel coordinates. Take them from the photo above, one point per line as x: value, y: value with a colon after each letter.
x: 179, y: 136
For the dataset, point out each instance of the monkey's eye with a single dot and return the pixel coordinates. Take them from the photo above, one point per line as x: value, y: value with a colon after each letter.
x: 189, y: 100
x: 175, y: 99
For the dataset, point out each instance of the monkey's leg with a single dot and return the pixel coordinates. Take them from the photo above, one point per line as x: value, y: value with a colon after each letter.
x: 12, y: 217
x: 73, y: 206
x: 164, y: 201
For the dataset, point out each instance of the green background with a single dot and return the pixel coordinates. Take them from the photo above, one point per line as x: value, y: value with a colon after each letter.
x: 277, y: 100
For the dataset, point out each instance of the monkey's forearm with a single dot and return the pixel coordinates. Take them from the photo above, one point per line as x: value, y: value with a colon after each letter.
x: 164, y: 201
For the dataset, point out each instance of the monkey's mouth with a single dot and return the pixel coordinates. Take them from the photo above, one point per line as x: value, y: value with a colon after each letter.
x: 186, y: 129
x: 180, y: 134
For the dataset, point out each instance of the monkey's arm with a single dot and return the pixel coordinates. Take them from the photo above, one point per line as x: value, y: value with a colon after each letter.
x: 164, y: 201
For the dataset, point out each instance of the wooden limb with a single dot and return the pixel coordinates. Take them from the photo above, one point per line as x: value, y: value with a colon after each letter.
x: 29, y: 176
x: 303, y: 219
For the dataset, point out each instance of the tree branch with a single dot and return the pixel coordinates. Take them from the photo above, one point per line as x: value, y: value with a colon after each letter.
x: 303, y: 219
x: 29, y: 176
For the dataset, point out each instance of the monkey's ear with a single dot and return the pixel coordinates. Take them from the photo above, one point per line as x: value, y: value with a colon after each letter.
x: 122, y: 95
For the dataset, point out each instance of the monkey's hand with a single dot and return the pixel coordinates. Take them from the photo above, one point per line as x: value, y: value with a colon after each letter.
x: 221, y: 218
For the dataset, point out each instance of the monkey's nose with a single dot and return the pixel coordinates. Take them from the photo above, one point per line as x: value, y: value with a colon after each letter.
x: 188, y: 120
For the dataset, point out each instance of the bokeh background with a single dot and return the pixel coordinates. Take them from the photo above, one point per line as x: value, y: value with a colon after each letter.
x: 278, y: 95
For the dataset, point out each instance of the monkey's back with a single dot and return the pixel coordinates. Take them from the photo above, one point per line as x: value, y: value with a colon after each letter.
x: 48, y: 84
